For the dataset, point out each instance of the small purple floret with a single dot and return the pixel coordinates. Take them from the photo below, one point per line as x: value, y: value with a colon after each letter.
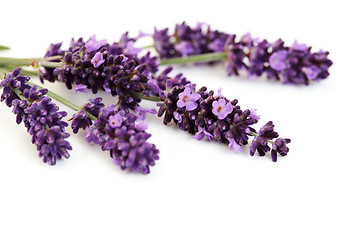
x: 188, y: 99
x: 234, y: 145
x: 202, y: 133
x: 93, y: 45
x: 222, y: 108
x: 80, y: 88
x: 277, y: 60
x: 97, y: 60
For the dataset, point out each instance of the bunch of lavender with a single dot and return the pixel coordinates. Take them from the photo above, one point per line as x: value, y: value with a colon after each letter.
x: 98, y: 65
x: 204, y: 114
x: 296, y: 64
x: 41, y: 117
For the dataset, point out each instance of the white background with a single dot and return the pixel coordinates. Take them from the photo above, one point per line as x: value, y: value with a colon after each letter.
x: 197, y: 190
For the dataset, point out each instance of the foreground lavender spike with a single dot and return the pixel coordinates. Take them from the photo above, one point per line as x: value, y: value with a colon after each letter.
x: 97, y: 65
x: 295, y: 64
x: 204, y: 114
x: 41, y: 117
x: 117, y: 131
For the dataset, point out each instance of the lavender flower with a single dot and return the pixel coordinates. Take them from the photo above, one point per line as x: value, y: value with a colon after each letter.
x: 264, y: 137
x: 222, y: 108
x: 101, y: 66
x: 187, y: 41
x: 188, y: 99
x: 294, y: 64
x: 165, y: 82
x: 41, y: 117
x: 217, y: 118
x: 141, y: 112
x: 81, y: 118
x: 277, y: 60
x: 234, y: 127
x: 97, y: 60
x: 117, y: 132
x: 93, y: 45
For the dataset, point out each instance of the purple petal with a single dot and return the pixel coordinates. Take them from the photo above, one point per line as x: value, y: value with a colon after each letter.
x: 191, y: 106
x: 278, y: 60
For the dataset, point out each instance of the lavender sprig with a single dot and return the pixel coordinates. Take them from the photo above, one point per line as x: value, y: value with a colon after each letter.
x: 41, y: 117
x: 204, y: 114
x: 97, y: 65
x: 295, y: 64
x: 118, y: 132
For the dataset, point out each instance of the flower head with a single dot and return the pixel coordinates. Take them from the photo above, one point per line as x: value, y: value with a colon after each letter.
x: 125, y: 139
x: 40, y: 116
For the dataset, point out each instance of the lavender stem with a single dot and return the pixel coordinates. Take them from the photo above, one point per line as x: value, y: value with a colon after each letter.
x: 65, y: 101
x: 206, y: 57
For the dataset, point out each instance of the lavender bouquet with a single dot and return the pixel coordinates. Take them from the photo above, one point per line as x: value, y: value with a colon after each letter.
x: 121, y: 70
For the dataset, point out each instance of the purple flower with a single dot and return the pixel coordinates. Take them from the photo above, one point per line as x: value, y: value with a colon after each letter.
x: 221, y: 108
x: 141, y: 112
x: 80, y: 88
x: 126, y: 141
x: 263, y: 138
x: 184, y: 48
x: 81, y: 119
x: 234, y: 145
x: 97, y: 60
x: 279, y: 146
x: 177, y: 116
x: 130, y: 50
x: 254, y: 115
x: 115, y: 121
x: 93, y: 45
x: 299, y: 46
x: 278, y: 59
x: 41, y: 117
x: 311, y: 72
x: 202, y: 133
x: 233, y: 130
x: 294, y: 64
x: 105, y: 69
x: 188, y: 99
x: 217, y: 45
x: 141, y: 126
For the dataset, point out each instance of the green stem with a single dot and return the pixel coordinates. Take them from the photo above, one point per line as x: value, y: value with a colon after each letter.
x: 206, y: 57
x: 256, y: 135
x: 50, y: 64
x: 4, y: 48
x: 64, y: 101
x: 18, y: 62
x: 141, y: 96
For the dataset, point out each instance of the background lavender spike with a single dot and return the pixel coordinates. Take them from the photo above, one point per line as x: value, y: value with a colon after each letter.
x: 295, y: 64
x: 41, y: 117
